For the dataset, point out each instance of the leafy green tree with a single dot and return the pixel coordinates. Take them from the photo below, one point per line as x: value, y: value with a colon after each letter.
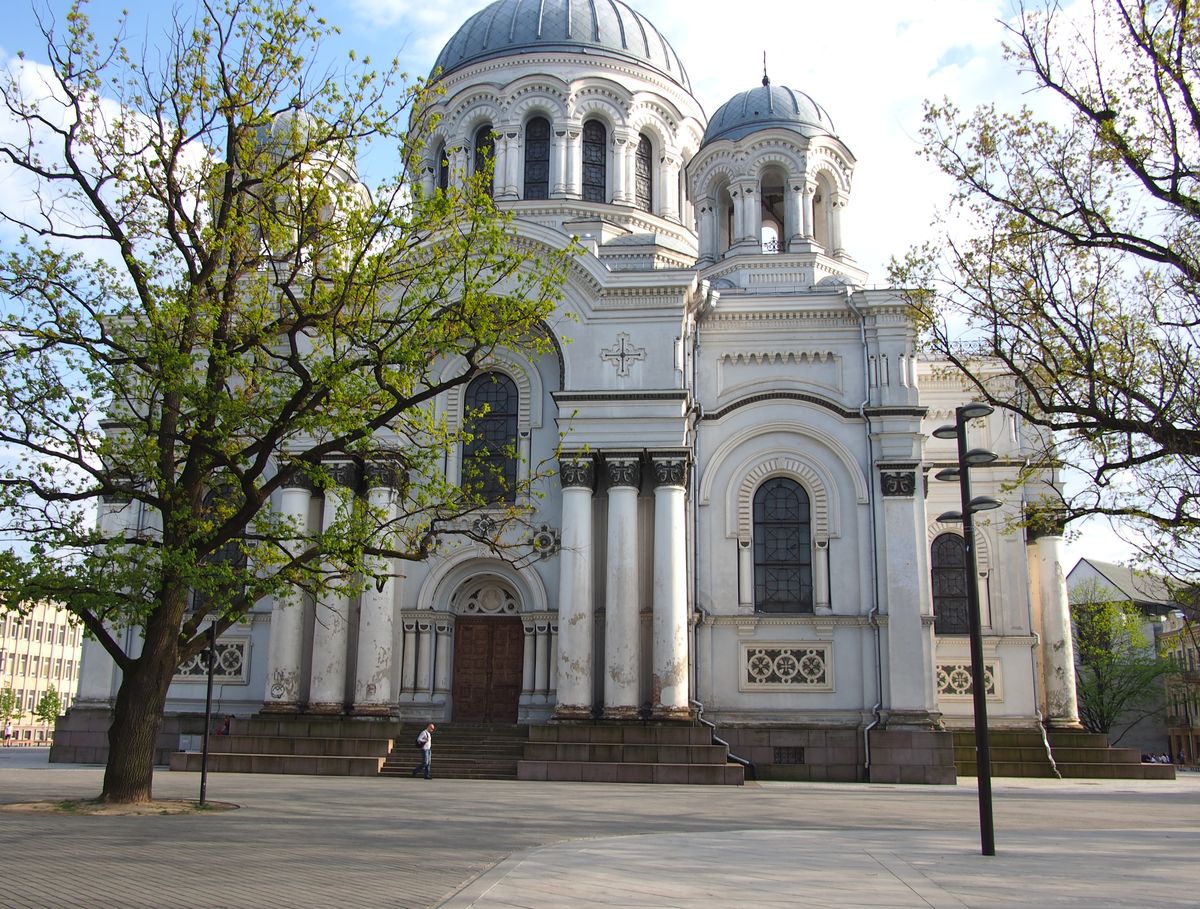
x: 1069, y: 257
x: 1119, y: 676
x: 10, y: 708
x: 205, y: 302
x: 49, y: 706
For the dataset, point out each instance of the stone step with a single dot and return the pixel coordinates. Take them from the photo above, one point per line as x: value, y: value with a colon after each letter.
x: 328, y: 747
x: 311, y: 765
x: 1077, y: 755
x: 609, y: 772
x: 626, y: 754
x: 630, y: 734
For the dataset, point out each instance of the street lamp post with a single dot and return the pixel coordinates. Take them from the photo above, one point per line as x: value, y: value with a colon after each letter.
x: 966, y: 460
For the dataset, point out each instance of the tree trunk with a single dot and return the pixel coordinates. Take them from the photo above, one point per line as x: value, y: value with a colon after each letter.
x: 138, y: 715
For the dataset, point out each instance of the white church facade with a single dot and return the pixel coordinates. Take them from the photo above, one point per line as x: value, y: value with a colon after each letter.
x: 743, y: 518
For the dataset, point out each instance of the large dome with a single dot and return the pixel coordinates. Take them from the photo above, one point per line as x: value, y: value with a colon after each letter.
x: 513, y: 26
x: 768, y: 106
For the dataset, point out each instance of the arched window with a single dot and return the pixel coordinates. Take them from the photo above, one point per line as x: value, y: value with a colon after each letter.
x: 782, y: 547
x: 645, y: 175
x: 537, y: 158
x: 485, y: 148
x: 948, y: 567
x: 442, y: 165
x: 490, y: 410
x: 770, y: 194
x: 595, y: 162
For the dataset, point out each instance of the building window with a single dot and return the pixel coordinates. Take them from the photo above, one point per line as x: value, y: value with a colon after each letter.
x: 485, y: 149
x: 644, y: 168
x: 37, y: 631
x: 62, y: 633
x: 948, y: 567
x: 490, y: 410
x: 225, y: 574
x: 782, y: 547
x: 595, y: 162
x: 442, y: 168
x: 537, y: 158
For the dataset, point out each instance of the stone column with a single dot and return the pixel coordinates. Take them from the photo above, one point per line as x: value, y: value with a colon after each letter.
x: 793, y: 213
x: 541, y: 662
x: 574, y: 162
x: 808, y: 215
x: 901, y: 542
x: 622, y: 609
x: 837, y: 206
x: 576, y: 607
x: 444, y: 631
x: 1058, y: 648
x: 559, y: 178
x: 552, y: 682
x: 709, y: 230
x: 458, y: 164
x: 620, y: 179
x: 97, y: 688
x: 668, y: 186
x: 376, y: 638
x: 821, y: 578
x: 745, y: 556
x: 284, y: 669
x: 512, y: 161
x: 423, y: 683
x: 669, y: 696
x: 528, y: 656
x: 408, y: 665
x: 331, y: 629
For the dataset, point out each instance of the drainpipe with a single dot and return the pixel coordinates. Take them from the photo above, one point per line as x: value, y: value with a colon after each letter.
x: 689, y: 379
x: 873, y: 613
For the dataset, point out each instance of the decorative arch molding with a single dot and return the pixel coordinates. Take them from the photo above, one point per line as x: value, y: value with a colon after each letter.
x: 726, y: 449
x: 448, y: 579
x: 513, y: 364
x: 552, y: 107
x: 983, y: 549
x: 469, y: 118
x: 600, y: 109
x: 822, y: 493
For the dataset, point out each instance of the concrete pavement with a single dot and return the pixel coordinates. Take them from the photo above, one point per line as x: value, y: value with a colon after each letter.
x: 338, y: 842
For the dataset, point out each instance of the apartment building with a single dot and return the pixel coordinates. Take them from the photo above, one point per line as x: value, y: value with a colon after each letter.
x: 39, y: 651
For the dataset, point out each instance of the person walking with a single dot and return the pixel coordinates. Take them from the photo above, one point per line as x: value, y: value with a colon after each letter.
x: 425, y: 743
x: 7, y: 732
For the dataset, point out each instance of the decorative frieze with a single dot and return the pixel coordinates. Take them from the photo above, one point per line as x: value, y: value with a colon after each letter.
x: 954, y: 680
x: 787, y: 667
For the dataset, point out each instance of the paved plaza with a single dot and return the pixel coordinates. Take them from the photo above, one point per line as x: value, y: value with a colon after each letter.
x: 340, y: 842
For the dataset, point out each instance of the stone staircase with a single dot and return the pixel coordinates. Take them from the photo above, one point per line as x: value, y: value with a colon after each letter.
x: 322, y: 746
x: 1078, y: 755
x: 633, y: 753
x: 463, y: 751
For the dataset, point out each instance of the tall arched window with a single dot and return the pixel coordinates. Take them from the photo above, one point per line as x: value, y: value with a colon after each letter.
x: 645, y: 175
x: 485, y: 148
x: 490, y: 410
x: 223, y: 569
x: 537, y: 158
x: 948, y: 567
x: 782, y: 547
x: 771, y: 195
x: 595, y: 162
x: 442, y: 163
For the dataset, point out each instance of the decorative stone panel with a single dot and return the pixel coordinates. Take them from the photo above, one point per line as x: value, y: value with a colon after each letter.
x: 806, y: 666
x: 232, y: 664
x: 954, y: 681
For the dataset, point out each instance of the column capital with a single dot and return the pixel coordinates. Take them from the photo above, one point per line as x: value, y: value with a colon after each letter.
x: 383, y: 475
x: 898, y: 480
x: 670, y: 469
x: 623, y: 470
x: 577, y: 471
x: 342, y: 473
x: 295, y: 478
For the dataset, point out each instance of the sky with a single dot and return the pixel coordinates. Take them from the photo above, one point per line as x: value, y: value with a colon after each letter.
x: 870, y: 63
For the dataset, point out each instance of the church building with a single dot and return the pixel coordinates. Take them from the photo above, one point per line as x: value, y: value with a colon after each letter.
x: 743, y: 519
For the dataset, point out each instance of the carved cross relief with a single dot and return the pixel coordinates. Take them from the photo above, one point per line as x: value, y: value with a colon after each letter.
x: 622, y: 354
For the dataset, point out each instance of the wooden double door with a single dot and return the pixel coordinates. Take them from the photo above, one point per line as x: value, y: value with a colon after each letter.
x: 488, y: 659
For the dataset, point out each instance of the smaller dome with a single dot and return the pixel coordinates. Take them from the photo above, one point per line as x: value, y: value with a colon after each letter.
x: 768, y: 107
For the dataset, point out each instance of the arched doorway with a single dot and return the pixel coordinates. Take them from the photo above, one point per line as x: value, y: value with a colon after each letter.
x: 489, y: 642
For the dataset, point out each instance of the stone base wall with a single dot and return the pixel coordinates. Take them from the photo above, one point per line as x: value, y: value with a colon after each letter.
x: 839, y: 755
x: 81, y: 737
